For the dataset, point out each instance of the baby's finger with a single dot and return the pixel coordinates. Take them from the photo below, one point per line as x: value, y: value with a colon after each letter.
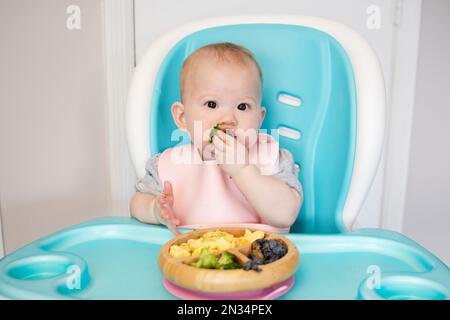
x: 229, y: 138
x: 163, y: 201
x: 173, y: 230
x: 230, y: 133
x: 220, y: 156
x: 218, y: 143
x: 170, y: 215
x: 165, y: 198
x: 169, y: 203
x: 208, y: 152
x: 170, y: 218
x: 240, y: 136
x: 165, y: 213
x: 168, y: 190
x: 223, y: 136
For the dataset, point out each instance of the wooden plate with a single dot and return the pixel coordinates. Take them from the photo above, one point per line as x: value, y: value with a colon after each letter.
x: 179, y: 272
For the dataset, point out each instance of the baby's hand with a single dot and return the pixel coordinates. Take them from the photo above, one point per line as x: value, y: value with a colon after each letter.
x: 231, y: 155
x: 166, y: 213
x: 208, y: 152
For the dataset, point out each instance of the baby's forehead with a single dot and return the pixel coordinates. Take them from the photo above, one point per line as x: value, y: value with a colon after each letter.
x: 204, y: 60
x: 209, y: 58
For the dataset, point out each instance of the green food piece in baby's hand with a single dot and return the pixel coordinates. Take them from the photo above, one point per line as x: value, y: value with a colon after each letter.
x: 213, y: 132
x: 216, y: 128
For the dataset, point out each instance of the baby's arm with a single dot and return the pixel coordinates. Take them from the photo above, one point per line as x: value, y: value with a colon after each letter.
x: 277, y: 203
x: 153, y: 202
x: 277, y: 198
x: 143, y: 206
x: 144, y: 202
x: 148, y: 208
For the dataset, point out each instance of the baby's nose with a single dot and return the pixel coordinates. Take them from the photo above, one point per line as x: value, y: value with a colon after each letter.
x: 227, y: 125
x: 228, y: 122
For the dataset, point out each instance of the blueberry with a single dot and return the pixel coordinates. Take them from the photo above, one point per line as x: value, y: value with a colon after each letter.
x: 265, y: 251
x: 250, y: 264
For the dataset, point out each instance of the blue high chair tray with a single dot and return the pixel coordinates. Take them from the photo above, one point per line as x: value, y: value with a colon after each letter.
x: 116, y: 258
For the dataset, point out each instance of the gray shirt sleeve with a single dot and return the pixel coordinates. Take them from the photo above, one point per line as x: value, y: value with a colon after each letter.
x: 150, y: 182
x: 288, y: 171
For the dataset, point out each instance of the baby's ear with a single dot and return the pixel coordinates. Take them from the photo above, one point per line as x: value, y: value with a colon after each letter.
x: 179, y: 116
x: 263, y: 114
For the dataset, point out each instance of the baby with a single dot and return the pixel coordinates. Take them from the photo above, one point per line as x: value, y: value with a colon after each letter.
x: 231, y: 174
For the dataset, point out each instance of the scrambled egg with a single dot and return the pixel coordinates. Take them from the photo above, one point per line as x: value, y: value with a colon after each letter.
x: 215, y: 242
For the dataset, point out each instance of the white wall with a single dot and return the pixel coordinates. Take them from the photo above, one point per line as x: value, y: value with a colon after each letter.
x: 53, y: 164
x: 427, y: 210
x: 2, y: 248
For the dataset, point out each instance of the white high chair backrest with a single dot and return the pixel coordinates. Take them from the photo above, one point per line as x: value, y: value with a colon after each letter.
x: 325, y: 209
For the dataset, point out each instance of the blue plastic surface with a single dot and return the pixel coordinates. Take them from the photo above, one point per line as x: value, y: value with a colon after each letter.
x: 116, y: 258
x: 302, y: 62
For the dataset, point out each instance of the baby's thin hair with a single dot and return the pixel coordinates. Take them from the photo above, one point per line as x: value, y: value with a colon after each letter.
x: 223, y: 51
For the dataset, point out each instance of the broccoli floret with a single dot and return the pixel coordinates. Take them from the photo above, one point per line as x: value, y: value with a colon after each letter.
x: 210, y: 261
x: 213, y: 132
x: 226, y: 258
x: 226, y: 261
x: 217, y: 128
x: 232, y: 265
x: 206, y: 260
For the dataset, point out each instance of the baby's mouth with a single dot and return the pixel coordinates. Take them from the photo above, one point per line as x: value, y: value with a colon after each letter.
x: 221, y: 127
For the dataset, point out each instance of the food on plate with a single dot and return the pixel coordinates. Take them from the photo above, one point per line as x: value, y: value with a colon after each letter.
x: 264, y: 251
x: 215, y: 242
x: 211, y: 250
x: 221, y: 261
x: 210, y: 261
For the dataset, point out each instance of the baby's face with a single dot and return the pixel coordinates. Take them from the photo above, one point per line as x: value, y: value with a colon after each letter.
x: 228, y: 93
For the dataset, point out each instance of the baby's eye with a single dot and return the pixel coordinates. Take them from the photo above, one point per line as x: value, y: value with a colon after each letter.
x: 243, y: 106
x: 211, y: 104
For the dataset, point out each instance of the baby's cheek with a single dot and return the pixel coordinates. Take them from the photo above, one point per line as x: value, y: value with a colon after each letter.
x: 249, y: 140
x: 249, y: 144
x: 199, y: 132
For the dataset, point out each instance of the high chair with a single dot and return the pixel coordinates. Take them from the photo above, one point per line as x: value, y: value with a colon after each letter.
x: 325, y: 98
